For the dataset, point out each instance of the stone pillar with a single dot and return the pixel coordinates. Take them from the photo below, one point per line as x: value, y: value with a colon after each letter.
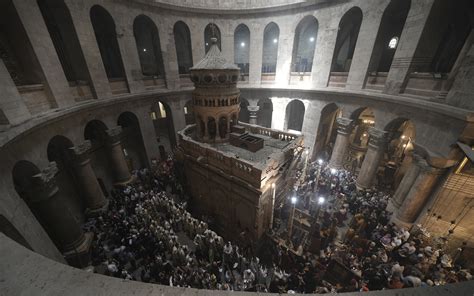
x: 285, y: 50
x: 11, y: 103
x: 43, y: 48
x: 85, y: 33
x: 325, y: 45
x: 375, y: 153
x: 256, y: 51
x: 253, y: 114
x: 404, y: 59
x: 344, y: 130
x: 117, y: 158
x: 95, y: 199
x: 279, y: 112
x: 168, y: 50
x: 405, y: 185
x: 419, y: 193
x: 50, y: 206
x: 365, y: 45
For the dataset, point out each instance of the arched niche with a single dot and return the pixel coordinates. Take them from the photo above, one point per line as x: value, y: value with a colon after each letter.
x: 132, y: 141
x: 182, y: 39
x: 211, y: 30
x: 294, y: 116
x: 304, y: 45
x: 242, y: 49
x: 148, y: 44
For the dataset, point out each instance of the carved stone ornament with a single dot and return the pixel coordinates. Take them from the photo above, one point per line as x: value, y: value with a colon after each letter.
x: 378, y: 138
x: 344, y: 125
x: 82, y: 148
x: 44, y: 183
x: 114, y: 134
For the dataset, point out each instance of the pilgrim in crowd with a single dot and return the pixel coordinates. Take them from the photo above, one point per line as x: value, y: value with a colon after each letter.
x: 149, y: 235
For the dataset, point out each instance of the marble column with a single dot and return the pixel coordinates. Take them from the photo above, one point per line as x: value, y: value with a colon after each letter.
x: 253, y: 114
x: 344, y: 130
x: 117, y: 158
x: 50, y: 206
x: 373, y: 157
x: 95, y: 199
x: 405, y: 185
x: 419, y: 193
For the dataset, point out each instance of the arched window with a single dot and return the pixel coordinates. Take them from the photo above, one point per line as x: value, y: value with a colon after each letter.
x: 346, y: 40
x: 211, y: 30
x: 391, y: 27
x: 242, y: 48
x: 182, y: 39
x: 148, y: 46
x: 271, y: 35
x: 304, y: 45
x: 104, y: 29
x: 295, y: 115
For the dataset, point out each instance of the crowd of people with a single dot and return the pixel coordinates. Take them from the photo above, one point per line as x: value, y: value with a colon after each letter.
x: 149, y: 235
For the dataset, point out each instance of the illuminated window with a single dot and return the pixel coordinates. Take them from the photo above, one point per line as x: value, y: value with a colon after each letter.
x: 393, y: 43
x: 153, y: 115
x: 162, y: 110
x: 186, y: 110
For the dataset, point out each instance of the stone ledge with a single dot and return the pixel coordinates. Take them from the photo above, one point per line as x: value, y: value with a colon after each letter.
x: 23, y: 272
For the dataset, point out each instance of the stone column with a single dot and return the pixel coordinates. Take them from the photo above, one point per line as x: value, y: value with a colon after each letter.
x: 85, y: 33
x: 375, y: 152
x: 404, y: 60
x: 168, y: 50
x: 117, y: 158
x: 285, y: 50
x: 43, y: 48
x: 419, y: 193
x: 344, y: 130
x: 95, y: 199
x: 12, y: 106
x: 325, y: 45
x: 50, y: 206
x: 256, y: 51
x: 253, y: 114
x: 406, y: 183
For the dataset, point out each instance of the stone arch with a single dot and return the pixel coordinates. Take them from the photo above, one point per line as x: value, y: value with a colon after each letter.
x: 304, y: 45
x: 242, y: 49
x: 363, y: 119
x: 211, y: 128
x: 211, y: 30
x: 148, y: 44
x: 244, y: 115
x: 7, y: 228
x: 346, y: 41
x: 327, y: 132
x: 265, y: 112
x: 223, y: 121
x: 163, y: 122
x: 271, y: 35
x: 22, y: 174
x: 132, y: 141
x: 106, y: 36
x: 393, y: 22
x: 96, y: 132
x: 294, y: 115
x: 182, y: 40
x: 59, y: 150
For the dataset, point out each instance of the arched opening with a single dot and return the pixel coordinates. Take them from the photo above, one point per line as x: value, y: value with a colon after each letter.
x: 96, y: 132
x: 21, y: 62
x: 364, y: 119
x: 244, y: 115
x: 265, y: 112
x: 271, y: 36
x: 68, y: 49
x: 304, y: 45
x: 211, y: 30
x: 327, y: 132
x: 9, y: 230
x: 211, y: 128
x: 399, y: 154
x: 386, y: 43
x: 242, y: 50
x: 294, y: 116
x: 223, y: 127
x: 59, y: 151
x: 163, y: 123
x: 346, y: 41
x: 189, y: 113
x: 202, y: 127
x: 233, y: 120
x: 132, y: 141
x: 182, y: 39
x: 443, y: 38
x: 148, y: 44
x: 106, y: 36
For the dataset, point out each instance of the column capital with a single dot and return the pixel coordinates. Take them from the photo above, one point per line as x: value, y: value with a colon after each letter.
x: 344, y: 125
x: 378, y: 138
x: 424, y: 166
x: 253, y: 108
x: 44, y: 183
x: 81, y: 151
x: 114, y: 134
